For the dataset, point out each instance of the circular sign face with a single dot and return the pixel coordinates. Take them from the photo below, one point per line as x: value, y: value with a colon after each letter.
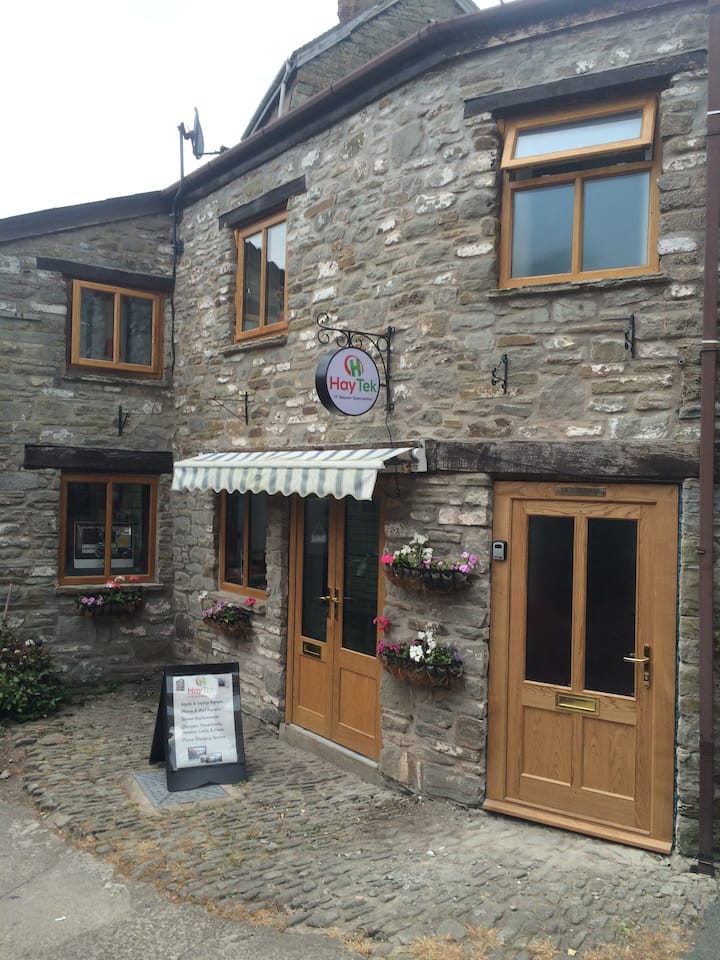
x: 347, y: 381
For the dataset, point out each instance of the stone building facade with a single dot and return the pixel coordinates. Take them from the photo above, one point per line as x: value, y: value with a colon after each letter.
x: 544, y: 420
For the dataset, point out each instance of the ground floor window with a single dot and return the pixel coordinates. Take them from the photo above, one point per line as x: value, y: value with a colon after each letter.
x: 243, y: 527
x: 108, y: 525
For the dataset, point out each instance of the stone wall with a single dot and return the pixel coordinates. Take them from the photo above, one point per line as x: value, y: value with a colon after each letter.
x: 44, y: 403
x: 434, y: 740
x: 399, y: 226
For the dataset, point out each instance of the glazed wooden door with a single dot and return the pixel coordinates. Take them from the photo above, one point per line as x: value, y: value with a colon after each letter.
x: 335, y: 678
x: 583, y: 659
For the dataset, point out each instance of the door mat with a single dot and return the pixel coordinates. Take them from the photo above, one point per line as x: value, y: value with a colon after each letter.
x: 154, y: 786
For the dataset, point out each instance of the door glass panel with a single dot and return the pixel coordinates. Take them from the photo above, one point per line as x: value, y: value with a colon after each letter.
x: 315, y: 569
x: 610, y: 605
x: 548, y: 643
x: 360, y: 576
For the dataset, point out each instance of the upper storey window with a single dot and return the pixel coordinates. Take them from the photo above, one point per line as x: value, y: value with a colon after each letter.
x: 261, y: 298
x: 116, y: 329
x: 579, y: 194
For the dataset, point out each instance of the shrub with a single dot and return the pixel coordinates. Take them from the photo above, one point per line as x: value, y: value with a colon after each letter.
x: 30, y: 686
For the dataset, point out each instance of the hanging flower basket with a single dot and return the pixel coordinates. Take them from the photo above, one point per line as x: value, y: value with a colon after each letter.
x: 417, y: 580
x: 423, y: 674
x: 415, y: 567
x: 424, y: 660
x: 233, y: 629
x: 227, y: 617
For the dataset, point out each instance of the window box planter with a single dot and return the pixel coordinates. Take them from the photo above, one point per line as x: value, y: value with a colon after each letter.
x: 423, y: 674
x: 418, y: 580
x: 224, y: 616
x: 115, y: 598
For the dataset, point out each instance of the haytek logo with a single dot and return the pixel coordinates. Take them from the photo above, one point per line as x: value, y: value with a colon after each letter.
x: 354, y: 366
x: 355, y: 370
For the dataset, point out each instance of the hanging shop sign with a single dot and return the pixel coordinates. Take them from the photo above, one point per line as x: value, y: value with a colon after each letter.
x: 347, y: 382
x: 198, y: 731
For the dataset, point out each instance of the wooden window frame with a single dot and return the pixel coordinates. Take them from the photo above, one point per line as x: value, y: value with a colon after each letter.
x: 154, y: 368
x: 223, y: 584
x: 608, y: 156
x: 263, y: 329
x: 108, y: 479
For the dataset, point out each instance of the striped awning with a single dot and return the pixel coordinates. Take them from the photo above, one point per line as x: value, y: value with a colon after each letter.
x: 335, y: 473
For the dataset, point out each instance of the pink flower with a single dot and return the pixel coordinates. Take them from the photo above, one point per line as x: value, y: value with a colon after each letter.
x: 382, y: 623
x: 250, y: 601
x: 386, y: 558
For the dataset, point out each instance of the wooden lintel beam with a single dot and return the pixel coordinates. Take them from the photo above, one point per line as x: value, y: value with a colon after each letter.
x: 94, y: 460
x: 583, y: 460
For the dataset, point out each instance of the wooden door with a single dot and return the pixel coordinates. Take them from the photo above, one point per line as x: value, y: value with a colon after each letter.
x: 582, y: 664
x: 335, y: 675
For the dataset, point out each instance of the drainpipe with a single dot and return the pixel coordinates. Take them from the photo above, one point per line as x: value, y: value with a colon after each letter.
x: 707, y: 444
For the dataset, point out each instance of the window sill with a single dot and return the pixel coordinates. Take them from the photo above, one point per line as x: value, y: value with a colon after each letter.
x: 579, y: 286
x: 259, y: 607
x: 277, y: 339
x: 73, y: 590
x: 76, y: 375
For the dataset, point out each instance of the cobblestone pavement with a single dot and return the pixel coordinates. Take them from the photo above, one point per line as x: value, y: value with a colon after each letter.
x: 302, y: 844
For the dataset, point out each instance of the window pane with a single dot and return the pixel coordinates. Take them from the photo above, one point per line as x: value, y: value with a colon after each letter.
x: 542, y: 231
x: 578, y: 135
x: 130, y: 522
x: 234, y: 538
x: 360, y: 576
x: 257, y: 575
x: 85, y: 526
x: 96, y: 324
x: 548, y: 638
x: 136, y: 316
x: 615, y: 222
x: 610, y: 605
x: 275, y: 293
x: 315, y: 569
x: 252, y: 266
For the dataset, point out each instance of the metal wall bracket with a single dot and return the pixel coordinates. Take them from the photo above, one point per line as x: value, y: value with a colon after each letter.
x: 496, y: 379
x: 244, y: 399
x: 630, y: 336
x: 356, y: 338
x: 122, y: 420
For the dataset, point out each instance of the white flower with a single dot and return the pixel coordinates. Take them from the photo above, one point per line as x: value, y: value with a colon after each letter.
x: 419, y: 538
x: 427, y: 553
x: 430, y: 644
x: 416, y: 653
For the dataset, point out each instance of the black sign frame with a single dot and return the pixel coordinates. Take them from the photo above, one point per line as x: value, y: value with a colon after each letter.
x: 180, y: 777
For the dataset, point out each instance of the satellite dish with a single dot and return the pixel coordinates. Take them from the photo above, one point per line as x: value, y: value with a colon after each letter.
x: 196, y: 138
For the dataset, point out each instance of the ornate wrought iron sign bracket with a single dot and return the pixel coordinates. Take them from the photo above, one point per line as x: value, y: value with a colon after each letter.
x: 357, y: 339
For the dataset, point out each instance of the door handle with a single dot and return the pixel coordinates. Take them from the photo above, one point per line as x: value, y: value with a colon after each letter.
x: 644, y: 660
x: 329, y: 599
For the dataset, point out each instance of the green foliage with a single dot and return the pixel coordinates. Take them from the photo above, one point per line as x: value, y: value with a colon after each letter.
x: 30, y: 686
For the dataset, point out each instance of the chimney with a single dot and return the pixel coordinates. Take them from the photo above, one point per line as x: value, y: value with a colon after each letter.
x: 347, y: 9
